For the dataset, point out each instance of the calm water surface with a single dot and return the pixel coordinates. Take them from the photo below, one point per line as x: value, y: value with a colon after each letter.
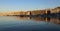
x: 10, y: 23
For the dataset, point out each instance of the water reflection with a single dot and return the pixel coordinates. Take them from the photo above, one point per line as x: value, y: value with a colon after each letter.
x: 29, y: 24
x: 24, y: 18
x: 53, y: 20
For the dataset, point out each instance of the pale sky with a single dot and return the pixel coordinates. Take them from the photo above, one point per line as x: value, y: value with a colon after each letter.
x: 17, y: 5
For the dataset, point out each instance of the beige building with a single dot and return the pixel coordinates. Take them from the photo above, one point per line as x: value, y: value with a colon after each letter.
x: 38, y: 12
x: 28, y: 13
x: 55, y: 10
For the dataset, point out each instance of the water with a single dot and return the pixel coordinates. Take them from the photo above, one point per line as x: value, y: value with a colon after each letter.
x: 12, y: 23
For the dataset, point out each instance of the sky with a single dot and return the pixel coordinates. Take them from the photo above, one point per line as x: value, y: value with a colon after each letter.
x: 25, y: 5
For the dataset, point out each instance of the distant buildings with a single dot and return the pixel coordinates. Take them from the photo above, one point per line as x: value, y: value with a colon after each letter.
x: 55, y: 10
x: 34, y: 12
